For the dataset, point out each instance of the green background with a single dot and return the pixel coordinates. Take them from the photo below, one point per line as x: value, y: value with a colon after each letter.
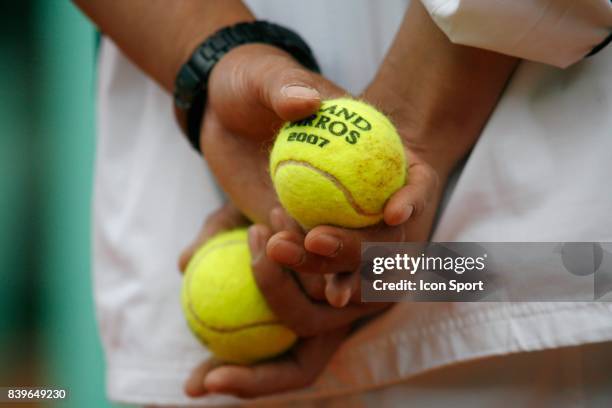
x: 48, y: 332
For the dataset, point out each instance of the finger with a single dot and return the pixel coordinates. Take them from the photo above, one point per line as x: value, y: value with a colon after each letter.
x: 256, y: 87
x: 296, y: 370
x: 339, y: 288
x: 341, y: 247
x: 287, y: 299
x: 326, y: 249
x: 293, y: 95
x: 413, y: 198
x: 287, y: 249
x: 289, y: 252
x: 296, y: 93
x: 225, y: 218
x: 194, y: 386
x: 281, y: 221
x: 313, y: 285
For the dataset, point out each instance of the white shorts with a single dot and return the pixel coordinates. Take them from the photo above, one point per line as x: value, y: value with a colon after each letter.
x: 579, y: 376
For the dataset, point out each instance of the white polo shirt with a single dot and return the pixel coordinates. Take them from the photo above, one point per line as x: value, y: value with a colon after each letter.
x: 540, y: 172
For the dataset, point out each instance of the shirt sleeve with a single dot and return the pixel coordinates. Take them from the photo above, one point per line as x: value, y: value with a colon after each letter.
x: 555, y: 32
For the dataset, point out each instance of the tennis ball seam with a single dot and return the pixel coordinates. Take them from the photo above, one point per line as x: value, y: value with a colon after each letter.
x: 197, y: 257
x: 231, y: 329
x: 345, y: 191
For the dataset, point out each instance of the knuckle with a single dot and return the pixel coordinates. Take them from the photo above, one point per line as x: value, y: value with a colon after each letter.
x: 294, y: 75
x: 239, y: 78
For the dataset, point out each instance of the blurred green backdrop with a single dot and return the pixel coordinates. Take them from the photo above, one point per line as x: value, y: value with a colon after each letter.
x: 48, y: 334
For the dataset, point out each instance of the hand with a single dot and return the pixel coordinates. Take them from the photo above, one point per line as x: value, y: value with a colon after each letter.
x: 335, y: 252
x: 440, y: 96
x: 302, y: 364
x: 321, y: 330
x: 252, y: 91
x: 225, y: 218
x: 229, y: 217
x: 296, y: 369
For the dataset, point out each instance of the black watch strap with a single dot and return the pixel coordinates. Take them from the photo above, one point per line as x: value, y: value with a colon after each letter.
x: 192, y: 80
x: 601, y: 45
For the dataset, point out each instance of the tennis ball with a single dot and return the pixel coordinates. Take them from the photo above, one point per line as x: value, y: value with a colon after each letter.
x: 223, y: 306
x: 338, y: 166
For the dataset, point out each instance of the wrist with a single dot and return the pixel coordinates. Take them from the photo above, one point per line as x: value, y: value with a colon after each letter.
x: 442, y: 160
x: 430, y: 135
x: 193, y: 33
x: 192, y: 80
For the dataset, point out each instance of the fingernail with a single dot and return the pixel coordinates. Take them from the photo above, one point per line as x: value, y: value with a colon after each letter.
x: 343, y: 297
x: 288, y: 253
x: 338, y: 299
x: 328, y: 245
x: 407, y: 213
x: 300, y: 92
x: 338, y: 290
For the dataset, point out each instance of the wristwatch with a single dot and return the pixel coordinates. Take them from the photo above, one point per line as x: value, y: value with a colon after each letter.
x: 192, y: 80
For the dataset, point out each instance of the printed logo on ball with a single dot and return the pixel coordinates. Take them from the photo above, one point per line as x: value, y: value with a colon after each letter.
x: 335, y: 119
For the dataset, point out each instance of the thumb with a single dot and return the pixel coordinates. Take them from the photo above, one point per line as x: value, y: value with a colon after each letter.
x: 291, y: 91
x: 291, y: 95
x: 257, y: 87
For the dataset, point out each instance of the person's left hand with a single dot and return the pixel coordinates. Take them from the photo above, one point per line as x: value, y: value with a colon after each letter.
x: 321, y: 330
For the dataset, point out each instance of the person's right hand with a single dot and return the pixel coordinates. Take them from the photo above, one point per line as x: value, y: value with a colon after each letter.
x: 251, y: 92
x: 335, y: 252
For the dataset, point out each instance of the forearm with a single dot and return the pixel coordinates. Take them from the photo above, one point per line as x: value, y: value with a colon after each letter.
x: 440, y: 94
x: 160, y: 35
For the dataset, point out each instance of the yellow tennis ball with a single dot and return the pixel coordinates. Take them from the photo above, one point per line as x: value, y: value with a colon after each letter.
x: 339, y: 166
x: 224, y: 307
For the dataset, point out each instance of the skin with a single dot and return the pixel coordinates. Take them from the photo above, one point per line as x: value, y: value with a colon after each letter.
x: 247, y: 101
x: 438, y: 94
x: 439, y: 113
x: 158, y: 35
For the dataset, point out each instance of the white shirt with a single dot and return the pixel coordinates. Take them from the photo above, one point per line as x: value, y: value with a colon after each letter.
x: 540, y: 172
